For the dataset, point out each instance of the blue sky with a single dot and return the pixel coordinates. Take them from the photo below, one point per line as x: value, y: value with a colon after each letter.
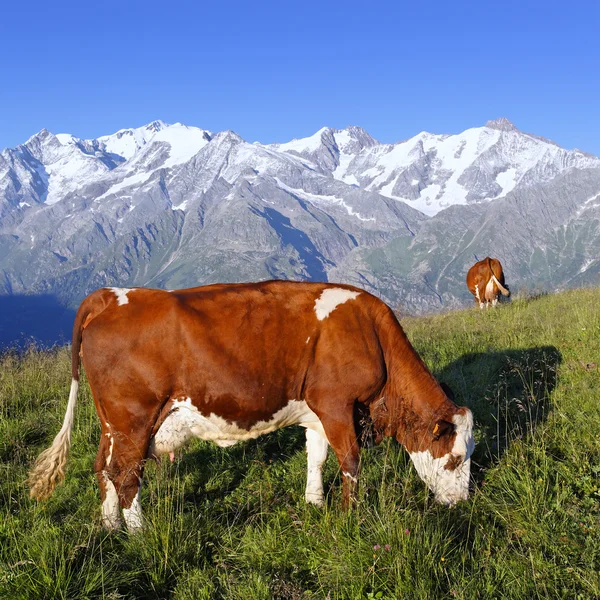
x: 272, y: 71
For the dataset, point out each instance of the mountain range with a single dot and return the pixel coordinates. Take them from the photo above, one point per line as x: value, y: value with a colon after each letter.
x: 175, y: 206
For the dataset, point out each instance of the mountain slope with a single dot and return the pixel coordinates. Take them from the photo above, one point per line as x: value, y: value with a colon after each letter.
x: 174, y: 206
x: 547, y: 237
x: 186, y: 207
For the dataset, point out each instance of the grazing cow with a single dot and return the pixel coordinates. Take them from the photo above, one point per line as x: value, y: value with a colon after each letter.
x: 485, y: 281
x: 232, y: 362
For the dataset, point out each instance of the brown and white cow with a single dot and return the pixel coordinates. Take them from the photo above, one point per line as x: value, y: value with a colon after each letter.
x: 231, y: 362
x: 485, y: 281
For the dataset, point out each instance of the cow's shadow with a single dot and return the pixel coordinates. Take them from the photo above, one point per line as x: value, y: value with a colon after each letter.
x: 509, y: 392
x: 224, y: 474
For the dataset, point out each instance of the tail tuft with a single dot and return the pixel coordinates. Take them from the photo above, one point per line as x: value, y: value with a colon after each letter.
x: 49, y: 468
x: 503, y: 290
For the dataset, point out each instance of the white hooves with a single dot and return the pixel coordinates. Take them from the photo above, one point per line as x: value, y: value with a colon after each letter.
x: 315, y: 498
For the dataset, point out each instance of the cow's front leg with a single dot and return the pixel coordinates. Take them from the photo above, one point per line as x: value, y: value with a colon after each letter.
x: 342, y: 438
x: 316, y: 453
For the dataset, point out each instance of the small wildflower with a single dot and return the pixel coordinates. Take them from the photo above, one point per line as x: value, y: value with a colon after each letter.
x: 376, y: 547
x: 388, y: 547
x: 442, y: 559
x: 407, y: 531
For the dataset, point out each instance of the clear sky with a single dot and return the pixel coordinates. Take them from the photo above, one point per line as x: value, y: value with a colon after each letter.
x: 272, y: 71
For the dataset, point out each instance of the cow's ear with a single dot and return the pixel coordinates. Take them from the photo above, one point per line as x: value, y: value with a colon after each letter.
x: 447, y: 390
x: 442, y: 428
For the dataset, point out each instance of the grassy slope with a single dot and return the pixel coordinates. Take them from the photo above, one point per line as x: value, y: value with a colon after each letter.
x: 232, y: 523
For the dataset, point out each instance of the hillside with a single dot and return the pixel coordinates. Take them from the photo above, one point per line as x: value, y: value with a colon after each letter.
x: 176, y: 206
x: 232, y: 523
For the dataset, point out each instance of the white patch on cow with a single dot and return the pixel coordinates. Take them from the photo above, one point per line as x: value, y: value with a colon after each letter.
x: 110, y: 449
x: 316, y: 451
x: 133, y: 514
x: 185, y: 421
x: 308, y: 339
x: 350, y: 476
x: 330, y: 299
x: 489, y: 290
x: 449, y: 486
x: 111, y: 518
x: 121, y: 294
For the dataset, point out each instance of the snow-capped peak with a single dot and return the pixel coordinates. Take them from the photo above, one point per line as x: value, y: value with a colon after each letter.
x: 502, y: 124
x: 184, y: 142
x: 126, y: 142
x: 352, y: 139
x: 304, y: 145
x: 66, y: 138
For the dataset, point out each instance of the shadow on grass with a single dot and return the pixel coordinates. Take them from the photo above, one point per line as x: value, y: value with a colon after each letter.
x: 509, y: 393
x: 219, y: 474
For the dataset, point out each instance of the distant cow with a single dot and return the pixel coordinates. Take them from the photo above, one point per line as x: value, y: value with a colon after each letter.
x: 232, y: 362
x: 485, y: 281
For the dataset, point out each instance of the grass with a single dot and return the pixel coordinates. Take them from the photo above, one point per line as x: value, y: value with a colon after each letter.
x: 232, y: 523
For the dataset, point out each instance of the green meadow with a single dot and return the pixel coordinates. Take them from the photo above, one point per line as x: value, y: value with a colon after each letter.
x: 232, y: 523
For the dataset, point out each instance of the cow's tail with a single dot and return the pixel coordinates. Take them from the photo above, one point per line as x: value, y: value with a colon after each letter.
x: 49, y: 468
x: 504, y: 290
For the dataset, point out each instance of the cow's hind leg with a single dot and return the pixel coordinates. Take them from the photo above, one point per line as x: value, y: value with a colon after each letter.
x: 316, y: 451
x: 111, y: 514
x: 124, y: 471
x: 478, y: 296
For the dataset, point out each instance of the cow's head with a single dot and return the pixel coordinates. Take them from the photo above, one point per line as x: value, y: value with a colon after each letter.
x: 443, y: 460
x: 440, y: 446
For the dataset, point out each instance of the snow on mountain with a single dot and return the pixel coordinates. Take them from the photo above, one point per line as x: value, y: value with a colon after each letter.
x: 304, y: 145
x: 328, y: 148
x: 428, y: 172
x: 157, y: 146
x: 126, y: 142
x: 321, y: 198
x: 432, y: 172
x: 45, y: 169
x: 67, y: 166
x: 63, y: 164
